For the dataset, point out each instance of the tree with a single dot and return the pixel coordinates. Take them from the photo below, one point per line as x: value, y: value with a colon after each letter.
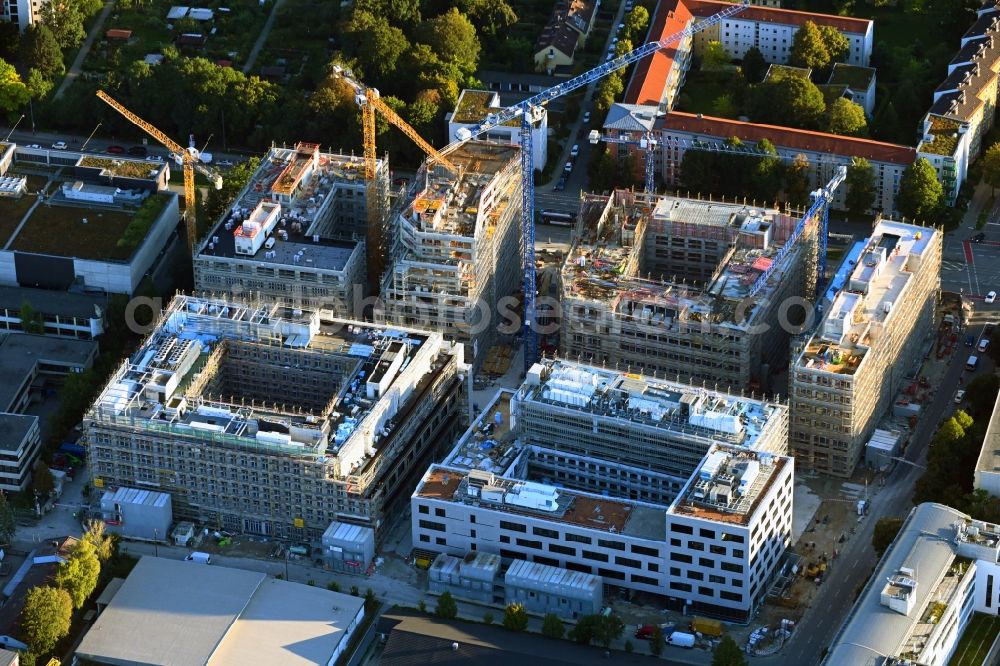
x: 38, y: 85
x: 487, y: 618
x: 656, y: 642
x: 982, y: 391
x: 79, y: 573
x: 809, y: 48
x: 714, y: 57
x: 608, y: 90
x: 847, y: 118
x: 446, y: 608
x: 104, y: 544
x: 607, y: 629
x: 788, y: 100
x: 45, y: 618
x: 754, y: 66
x: 233, y: 183
x: 31, y: 319
x: 8, y: 525
x: 453, y: 38
x: 765, y: 176
x: 920, y: 192
x: 10, y: 41
x: 860, y: 186
x: 636, y: 22
x: 724, y: 106
x: 377, y: 44
x: 583, y: 631
x: 884, y: 533
x: 333, y: 586
x: 797, y: 181
x: 728, y: 653
x: 552, y: 626
x: 396, y: 12
x: 963, y: 420
x: 42, y: 480
x: 837, y: 45
x: 40, y: 50
x: 13, y: 93
x: 991, y: 166
x: 65, y: 20
x: 490, y: 17
x: 515, y: 617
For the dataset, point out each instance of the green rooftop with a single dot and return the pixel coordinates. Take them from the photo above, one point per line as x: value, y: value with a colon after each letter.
x: 944, y: 132
x: 852, y: 76
x: 473, y: 107
x: 122, y: 168
x: 778, y: 71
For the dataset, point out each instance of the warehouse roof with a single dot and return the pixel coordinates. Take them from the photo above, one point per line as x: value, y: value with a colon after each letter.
x: 48, y: 302
x: 20, y: 352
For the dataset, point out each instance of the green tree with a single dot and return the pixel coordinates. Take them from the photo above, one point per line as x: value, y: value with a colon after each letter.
x: 608, y: 90
x: 949, y: 432
x: 860, y: 184
x: 13, y: 93
x: 487, y: 618
x: 10, y: 41
x: 765, y: 176
x: 797, y: 181
x: 235, y: 179
x: 920, y: 192
x: 963, y: 420
x: 607, y: 629
x: 552, y: 626
x: 377, y: 44
x: 847, y: 118
x: 8, y: 525
x: 837, y: 45
x: 38, y: 85
x: 636, y: 23
x: 990, y: 162
x: 45, y: 618
x: 728, y: 653
x: 714, y: 57
x: 65, y: 19
x: 446, y: 607
x: 79, y: 573
x: 397, y: 12
x: 656, y: 642
x: 97, y: 536
x: 31, y: 319
x: 884, y: 533
x: 490, y: 17
x: 602, y: 169
x: 42, y: 481
x: 583, y: 631
x: 754, y: 66
x: 724, y: 106
x: 982, y: 391
x: 40, y: 50
x: 790, y: 101
x: 453, y: 38
x: 333, y: 586
x: 515, y: 617
x: 809, y: 48
x: 622, y: 47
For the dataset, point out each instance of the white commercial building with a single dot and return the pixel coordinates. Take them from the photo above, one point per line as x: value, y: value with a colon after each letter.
x: 472, y: 108
x: 653, y: 486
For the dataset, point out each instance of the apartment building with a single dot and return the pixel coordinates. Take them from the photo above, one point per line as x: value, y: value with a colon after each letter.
x: 849, y: 371
x: 456, y: 251
x: 472, y: 108
x: 964, y: 105
x: 296, y: 233
x: 260, y: 419
x: 940, y: 571
x: 700, y: 291
x: 987, y: 474
x: 22, y: 13
x: 653, y: 486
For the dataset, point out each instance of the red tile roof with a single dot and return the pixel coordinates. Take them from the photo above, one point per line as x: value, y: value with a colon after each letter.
x: 703, y: 8
x: 789, y: 138
x: 118, y: 33
x: 650, y: 77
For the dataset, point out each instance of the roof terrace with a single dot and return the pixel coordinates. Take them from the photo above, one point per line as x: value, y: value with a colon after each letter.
x: 940, y: 136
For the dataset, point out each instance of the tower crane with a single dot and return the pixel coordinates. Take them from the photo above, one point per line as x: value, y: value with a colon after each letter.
x: 647, y: 144
x: 370, y: 101
x: 528, y: 111
x: 189, y: 161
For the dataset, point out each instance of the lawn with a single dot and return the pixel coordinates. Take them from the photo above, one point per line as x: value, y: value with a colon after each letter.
x: 701, y: 89
x: 976, y: 640
x: 50, y: 227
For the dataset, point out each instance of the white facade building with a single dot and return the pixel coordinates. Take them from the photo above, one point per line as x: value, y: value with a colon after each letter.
x: 22, y: 12
x: 472, y: 108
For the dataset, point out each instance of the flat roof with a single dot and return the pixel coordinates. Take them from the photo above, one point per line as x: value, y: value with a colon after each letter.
x: 852, y: 76
x: 989, y: 455
x: 13, y: 429
x: 49, y: 302
x: 141, y: 496
x: 20, y: 352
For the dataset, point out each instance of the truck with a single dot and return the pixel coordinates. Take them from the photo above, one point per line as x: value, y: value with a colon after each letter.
x: 707, y: 627
x: 681, y: 639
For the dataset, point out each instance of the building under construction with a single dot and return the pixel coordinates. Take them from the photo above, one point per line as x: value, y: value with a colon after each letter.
x: 260, y: 419
x: 296, y: 233
x: 846, y: 376
x: 686, y: 289
x: 456, y: 248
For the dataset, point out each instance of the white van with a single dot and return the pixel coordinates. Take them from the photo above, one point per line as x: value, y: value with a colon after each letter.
x: 984, y: 344
x: 200, y: 558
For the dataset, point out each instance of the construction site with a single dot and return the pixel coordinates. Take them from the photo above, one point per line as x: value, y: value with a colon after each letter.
x: 195, y: 413
x: 296, y: 233
x: 456, y: 249
x: 684, y: 288
x: 845, y: 377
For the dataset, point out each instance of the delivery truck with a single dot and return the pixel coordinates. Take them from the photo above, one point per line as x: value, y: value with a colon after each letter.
x: 681, y: 639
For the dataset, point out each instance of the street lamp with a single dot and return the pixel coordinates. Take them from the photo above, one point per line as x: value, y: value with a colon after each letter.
x: 84, y: 146
x: 14, y: 127
x: 156, y: 538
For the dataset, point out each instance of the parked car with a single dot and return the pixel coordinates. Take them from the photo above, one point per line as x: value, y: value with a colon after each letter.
x: 959, y: 396
x: 645, y: 632
x: 979, y: 238
x: 33, y: 145
x: 226, y: 164
x: 561, y: 185
x: 200, y: 558
x: 138, y: 151
x: 586, y: 117
x: 991, y: 297
x: 970, y: 340
x: 575, y: 150
x: 569, y: 167
x: 984, y: 344
x: 154, y: 158
x: 621, y: 26
x: 116, y: 150
x: 60, y: 145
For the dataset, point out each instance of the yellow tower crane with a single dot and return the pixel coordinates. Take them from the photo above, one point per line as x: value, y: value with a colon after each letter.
x: 370, y: 101
x: 189, y: 160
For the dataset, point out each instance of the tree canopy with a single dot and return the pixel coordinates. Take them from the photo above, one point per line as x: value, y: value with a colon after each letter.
x: 453, y: 38
x: 515, y: 617
x: 636, y: 23
x: 8, y: 525
x: 809, y: 48
x: 847, y: 118
x: 714, y: 57
x: 40, y: 50
x: 489, y: 17
x: 885, y: 532
x: 446, y: 607
x: 991, y: 166
x: 552, y: 626
x: 788, y: 100
x: 13, y: 93
x: 79, y: 573
x: 45, y: 618
x: 728, y: 653
x: 860, y: 184
x: 754, y: 66
x: 920, y: 192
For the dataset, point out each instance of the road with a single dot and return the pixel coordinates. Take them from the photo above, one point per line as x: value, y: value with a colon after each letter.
x: 95, y: 30
x: 262, y: 37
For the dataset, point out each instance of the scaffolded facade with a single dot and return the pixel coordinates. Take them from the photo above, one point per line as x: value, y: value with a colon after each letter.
x: 847, y: 374
x: 680, y: 288
x: 457, y: 249
x: 260, y: 419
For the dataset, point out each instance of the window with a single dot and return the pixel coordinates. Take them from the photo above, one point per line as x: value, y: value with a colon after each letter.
x: 614, y: 545
x: 740, y: 553
x: 695, y: 575
x: 643, y: 550
x: 706, y: 563
x: 611, y: 573
x: 504, y: 538
x: 528, y: 543
x: 431, y: 525
x: 706, y: 591
x: 737, y: 582
x: 645, y: 580
x: 512, y: 554
x: 513, y: 527
x: 683, y: 587
x: 440, y: 541
x: 577, y: 538
x: 628, y: 562
x: 731, y: 596
x: 696, y: 545
x: 574, y: 566
x: 719, y: 580
x: 423, y: 508
x: 680, y: 557
x: 562, y: 550
x: 654, y: 567
x: 541, y: 531
x: 676, y: 543
x: 717, y: 550
x: 439, y: 512
x: 545, y: 560
x: 989, y: 591
x: 425, y: 538
x: 683, y: 529
x: 708, y: 534
x: 735, y: 568
x: 591, y: 555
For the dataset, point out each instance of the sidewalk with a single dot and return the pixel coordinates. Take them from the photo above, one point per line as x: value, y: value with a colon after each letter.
x: 74, y: 70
